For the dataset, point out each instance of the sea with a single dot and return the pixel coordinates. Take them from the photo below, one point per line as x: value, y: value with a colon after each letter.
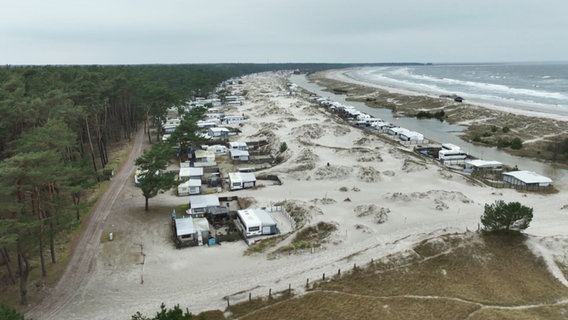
x: 534, y: 87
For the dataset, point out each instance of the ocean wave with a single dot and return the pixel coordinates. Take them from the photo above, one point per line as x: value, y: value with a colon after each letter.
x: 403, y: 77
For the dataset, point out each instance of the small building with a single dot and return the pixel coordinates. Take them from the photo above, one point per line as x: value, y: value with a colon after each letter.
x: 238, y: 145
x: 204, y: 158
x: 218, y: 149
x: 452, y: 156
x: 189, y: 187
x: 218, y: 133
x: 241, y: 180
x: 191, y: 231
x: 397, y: 131
x: 169, y: 128
x: 381, y: 125
x: 230, y: 119
x: 206, y: 124
x: 483, y: 165
x: 188, y: 173
x: 255, y: 222
x: 526, y: 179
x: 201, y: 205
x: 239, y: 155
x: 411, y: 136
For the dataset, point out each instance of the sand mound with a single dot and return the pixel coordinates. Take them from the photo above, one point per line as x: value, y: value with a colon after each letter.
x: 363, y: 141
x: 305, y: 161
x: 339, y: 130
x: 445, y: 174
x: 366, y: 155
x: 389, y: 173
x: 439, y: 197
x: 369, y: 174
x: 324, y: 201
x: 410, y: 165
x: 332, y: 172
x: 271, y: 108
x: 380, y: 214
x: 309, y: 131
x: 300, y: 211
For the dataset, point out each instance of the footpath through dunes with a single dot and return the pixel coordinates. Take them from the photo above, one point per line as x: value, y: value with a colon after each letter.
x: 458, y: 276
x: 79, y: 268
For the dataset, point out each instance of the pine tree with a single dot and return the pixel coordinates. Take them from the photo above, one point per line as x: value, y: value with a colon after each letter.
x: 501, y: 216
x: 152, y: 165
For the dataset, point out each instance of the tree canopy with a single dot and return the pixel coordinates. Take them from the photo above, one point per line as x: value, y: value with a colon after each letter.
x: 501, y: 216
x: 153, y: 177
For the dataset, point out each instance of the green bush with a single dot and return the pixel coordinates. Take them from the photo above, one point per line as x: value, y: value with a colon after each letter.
x: 516, y: 144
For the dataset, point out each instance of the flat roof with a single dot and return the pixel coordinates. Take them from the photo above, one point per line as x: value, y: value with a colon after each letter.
x: 184, y: 226
x: 219, y: 129
x: 483, y: 163
x: 238, y: 153
x: 238, y: 144
x: 203, y: 201
x: 243, y: 176
x: 412, y: 134
x: 190, y: 171
x: 191, y: 183
x: 265, y: 217
x: 528, y: 176
x: 204, y: 154
x: 399, y: 130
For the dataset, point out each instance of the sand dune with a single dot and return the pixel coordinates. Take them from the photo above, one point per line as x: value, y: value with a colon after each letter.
x: 381, y: 197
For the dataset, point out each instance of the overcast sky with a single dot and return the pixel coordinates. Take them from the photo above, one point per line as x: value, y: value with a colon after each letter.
x: 260, y: 31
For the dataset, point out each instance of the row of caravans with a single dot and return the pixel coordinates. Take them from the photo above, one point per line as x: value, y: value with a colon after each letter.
x: 449, y: 153
x: 362, y: 119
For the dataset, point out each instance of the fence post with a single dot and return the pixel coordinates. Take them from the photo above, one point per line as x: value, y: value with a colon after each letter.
x: 289, y: 288
x: 308, y: 282
x: 250, y: 296
x: 228, y: 303
x: 323, y: 278
x: 270, y: 293
x: 338, y: 272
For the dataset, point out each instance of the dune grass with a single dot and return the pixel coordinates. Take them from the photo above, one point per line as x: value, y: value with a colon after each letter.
x: 484, y: 276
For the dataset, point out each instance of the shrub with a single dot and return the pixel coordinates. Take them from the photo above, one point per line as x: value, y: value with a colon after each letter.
x: 516, y: 144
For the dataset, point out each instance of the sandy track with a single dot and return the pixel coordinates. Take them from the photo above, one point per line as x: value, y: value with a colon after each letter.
x: 80, y: 266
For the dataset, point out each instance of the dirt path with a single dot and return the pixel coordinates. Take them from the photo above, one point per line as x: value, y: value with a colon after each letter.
x: 79, y: 268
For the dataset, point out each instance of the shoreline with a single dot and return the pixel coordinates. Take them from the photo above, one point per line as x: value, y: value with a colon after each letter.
x: 341, y: 75
x: 484, y: 125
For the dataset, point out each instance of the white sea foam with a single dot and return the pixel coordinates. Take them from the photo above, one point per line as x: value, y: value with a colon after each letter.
x: 493, y: 85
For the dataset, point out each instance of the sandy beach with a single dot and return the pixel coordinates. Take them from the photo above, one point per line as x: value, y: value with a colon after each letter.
x: 342, y: 76
x: 382, y: 197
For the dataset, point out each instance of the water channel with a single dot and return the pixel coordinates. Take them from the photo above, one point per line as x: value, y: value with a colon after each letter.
x: 441, y: 132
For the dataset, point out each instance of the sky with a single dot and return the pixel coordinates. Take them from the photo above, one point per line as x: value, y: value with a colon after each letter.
x: 40, y: 32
